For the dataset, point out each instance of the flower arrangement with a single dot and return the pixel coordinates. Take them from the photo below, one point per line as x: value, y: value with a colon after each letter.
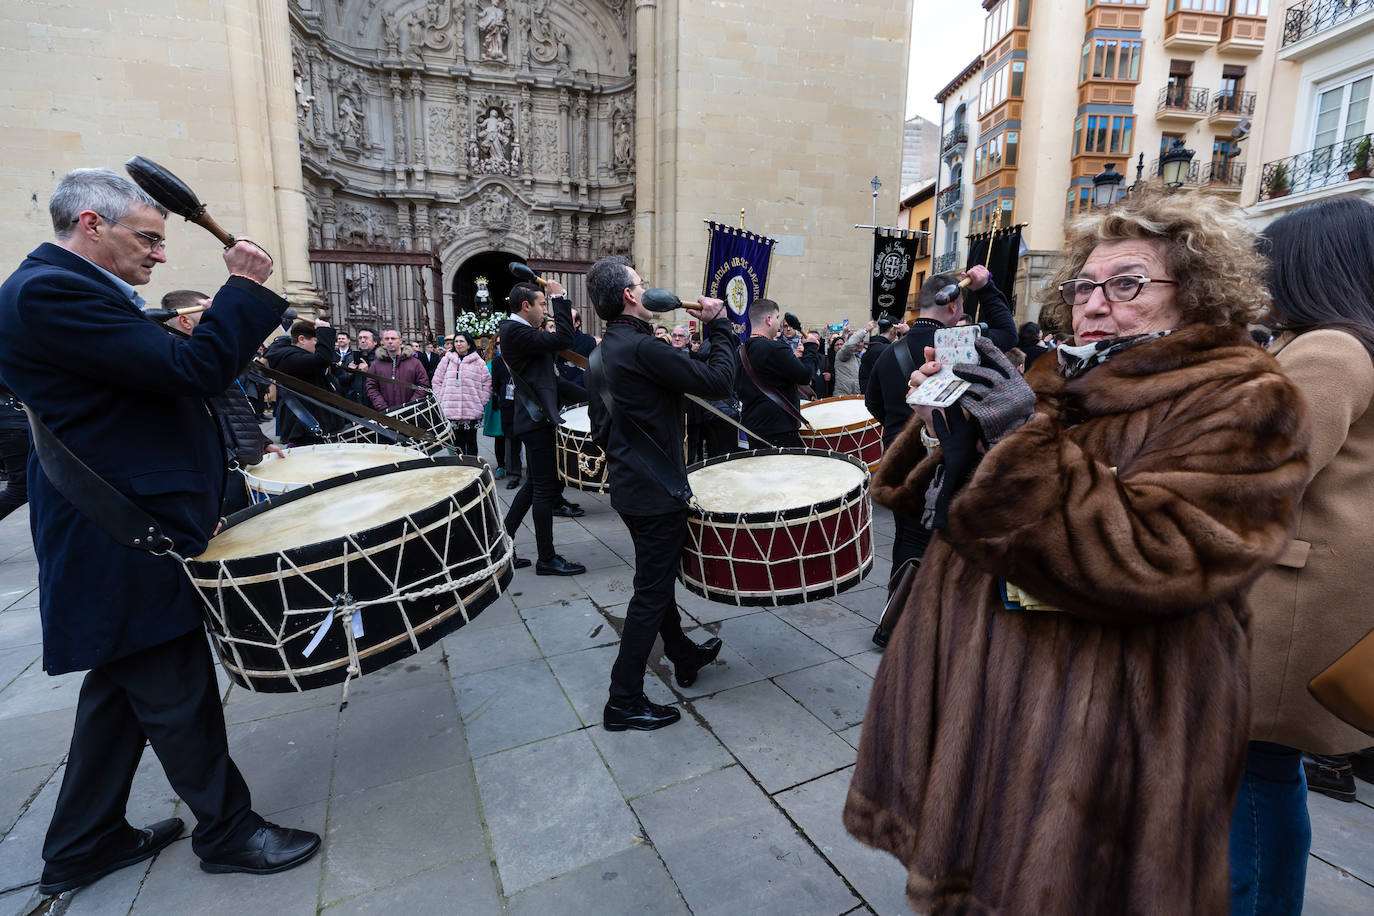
x: 477, y: 325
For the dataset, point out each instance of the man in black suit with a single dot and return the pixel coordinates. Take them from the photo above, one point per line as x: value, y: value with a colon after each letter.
x: 645, y: 381
x: 771, y: 411
x: 132, y: 409
x: 529, y: 355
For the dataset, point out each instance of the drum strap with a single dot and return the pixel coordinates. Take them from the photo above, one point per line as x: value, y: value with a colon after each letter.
x: 901, y: 351
x: 103, y: 505
x: 767, y: 392
x: 653, y: 459
x: 352, y: 411
x: 711, y: 408
x: 529, y: 397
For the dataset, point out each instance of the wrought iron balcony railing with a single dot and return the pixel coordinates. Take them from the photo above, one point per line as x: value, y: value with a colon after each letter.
x: 1184, y: 98
x: 1238, y: 104
x: 1309, y: 18
x: 949, y: 198
x: 1225, y: 172
x: 956, y: 137
x: 1191, y: 177
x: 1318, y: 168
x: 946, y: 263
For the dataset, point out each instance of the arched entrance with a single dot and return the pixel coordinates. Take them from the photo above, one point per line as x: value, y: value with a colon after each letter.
x: 490, y: 264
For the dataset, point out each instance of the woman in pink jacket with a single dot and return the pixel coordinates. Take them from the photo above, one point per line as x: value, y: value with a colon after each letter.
x: 463, y: 385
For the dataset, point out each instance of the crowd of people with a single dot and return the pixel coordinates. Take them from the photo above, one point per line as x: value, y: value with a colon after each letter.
x: 1118, y: 559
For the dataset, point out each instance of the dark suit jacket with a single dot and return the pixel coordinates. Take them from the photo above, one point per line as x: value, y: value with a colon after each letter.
x: 777, y: 366
x: 128, y: 399
x: 530, y: 355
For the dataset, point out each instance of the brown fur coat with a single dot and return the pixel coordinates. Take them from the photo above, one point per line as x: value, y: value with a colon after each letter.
x: 1085, y: 761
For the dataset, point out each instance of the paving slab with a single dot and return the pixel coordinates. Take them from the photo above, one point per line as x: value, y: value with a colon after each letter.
x: 27, y: 600
x: 779, y: 742
x: 471, y: 651
x: 1332, y: 891
x: 867, y: 602
x: 630, y: 883
x: 499, y: 613
x: 112, y: 895
x: 36, y: 692
x: 17, y: 788
x: 728, y: 671
x: 151, y: 797
x: 561, y: 785
x: 731, y: 851
x: 568, y: 626
x: 868, y: 660
x: 705, y: 611
x: 528, y: 590
x: 14, y: 662
x: 396, y: 736
x: 851, y: 735
x: 427, y: 667
x: 21, y: 851
x: 20, y: 902
x: 42, y: 738
x: 511, y: 706
x: 244, y: 705
x: 175, y: 883
x: 608, y: 587
x: 20, y: 627
x: 381, y: 835
x: 586, y: 679
x: 287, y: 759
x: 1343, y: 832
x: 771, y: 645
x: 643, y: 762
x: 466, y: 887
x: 817, y: 807
x: 834, y: 692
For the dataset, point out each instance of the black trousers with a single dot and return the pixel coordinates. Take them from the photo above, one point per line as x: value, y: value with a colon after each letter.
x: 783, y: 440
x: 511, y: 454
x: 540, y: 489
x: 719, y: 437
x: 910, y: 541
x: 14, y: 453
x: 652, y: 611
x: 464, y: 438
x: 165, y: 695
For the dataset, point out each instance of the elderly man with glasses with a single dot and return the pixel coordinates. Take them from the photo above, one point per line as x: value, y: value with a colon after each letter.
x: 132, y: 408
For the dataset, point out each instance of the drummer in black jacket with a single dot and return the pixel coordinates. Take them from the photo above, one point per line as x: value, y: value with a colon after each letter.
x: 642, y: 437
x: 779, y: 369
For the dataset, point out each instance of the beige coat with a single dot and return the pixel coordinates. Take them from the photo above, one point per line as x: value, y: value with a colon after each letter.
x: 1319, y: 600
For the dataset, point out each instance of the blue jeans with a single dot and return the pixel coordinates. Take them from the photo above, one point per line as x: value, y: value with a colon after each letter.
x: 1271, y: 834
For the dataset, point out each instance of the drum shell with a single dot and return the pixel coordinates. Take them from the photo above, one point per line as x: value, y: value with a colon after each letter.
x: 425, y: 413
x: 863, y: 438
x: 252, y: 594
x: 581, y: 462
x: 778, y: 558
x: 262, y: 488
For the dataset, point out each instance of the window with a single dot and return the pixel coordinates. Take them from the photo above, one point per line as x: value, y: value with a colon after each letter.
x: 1079, y: 200
x: 988, y: 157
x: 1013, y: 140
x: 1000, y: 21
x: 1166, y: 141
x: 1110, y: 59
x: 1198, y: 6
x: 1249, y: 7
x: 1007, y: 81
x: 1118, y: 3
x: 1105, y: 134
x: 1342, y: 111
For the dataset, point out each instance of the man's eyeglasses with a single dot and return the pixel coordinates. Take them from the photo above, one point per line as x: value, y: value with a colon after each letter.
x: 155, y: 242
x: 1121, y: 288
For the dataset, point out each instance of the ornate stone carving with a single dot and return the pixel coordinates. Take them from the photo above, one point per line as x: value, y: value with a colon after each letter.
x: 391, y: 33
x: 491, y: 210
x: 497, y: 149
x: 360, y: 225
x: 439, y: 16
x: 623, y: 140
x: 449, y: 224
x: 542, y: 236
x: 545, y: 152
x: 616, y: 238
x: 443, y: 137
x: 358, y: 281
x: 493, y: 30
x: 350, y: 123
x: 548, y: 44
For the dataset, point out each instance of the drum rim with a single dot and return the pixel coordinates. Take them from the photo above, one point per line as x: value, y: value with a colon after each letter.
x: 483, y: 479
x: 258, y: 480
x: 700, y: 514
x: 870, y: 423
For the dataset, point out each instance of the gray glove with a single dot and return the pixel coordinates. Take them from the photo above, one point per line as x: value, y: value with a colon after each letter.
x: 998, y: 399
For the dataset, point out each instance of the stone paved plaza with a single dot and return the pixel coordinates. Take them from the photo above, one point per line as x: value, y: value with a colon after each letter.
x: 475, y: 778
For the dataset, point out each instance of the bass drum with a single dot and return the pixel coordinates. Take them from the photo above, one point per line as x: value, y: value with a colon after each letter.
x: 777, y: 526
x: 306, y: 464
x: 843, y: 424
x: 581, y: 462
x: 343, y: 577
x: 424, y: 413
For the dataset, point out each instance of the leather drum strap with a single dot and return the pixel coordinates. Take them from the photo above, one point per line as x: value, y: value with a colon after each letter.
x: 767, y: 392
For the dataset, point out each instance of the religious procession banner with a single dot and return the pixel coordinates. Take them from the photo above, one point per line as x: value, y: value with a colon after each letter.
x: 736, y: 270
x: 894, y: 254
x: 999, y: 250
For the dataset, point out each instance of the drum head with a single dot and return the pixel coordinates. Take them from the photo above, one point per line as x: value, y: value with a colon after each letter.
x: 313, y: 463
x: 773, y: 482
x: 337, y: 511
x: 833, y: 412
x: 577, y: 419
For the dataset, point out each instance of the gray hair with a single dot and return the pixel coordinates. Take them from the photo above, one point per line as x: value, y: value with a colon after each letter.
x: 102, y: 190
x: 607, y: 280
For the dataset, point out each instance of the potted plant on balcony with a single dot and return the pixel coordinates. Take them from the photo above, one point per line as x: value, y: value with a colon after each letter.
x: 1359, y: 163
x: 1278, y: 181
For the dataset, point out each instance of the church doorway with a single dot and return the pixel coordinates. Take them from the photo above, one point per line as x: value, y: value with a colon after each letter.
x: 493, y: 265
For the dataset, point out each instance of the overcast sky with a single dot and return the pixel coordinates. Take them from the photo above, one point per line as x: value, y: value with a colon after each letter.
x: 946, y: 35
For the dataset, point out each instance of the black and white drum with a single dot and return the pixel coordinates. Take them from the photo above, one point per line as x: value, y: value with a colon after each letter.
x: 777, y: 526
x: 581, y: 462
x: 343, y: 577
x: 424, y: 413
x: 306, y: 464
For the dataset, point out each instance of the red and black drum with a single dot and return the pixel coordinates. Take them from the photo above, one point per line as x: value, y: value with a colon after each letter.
x: 843, y: 424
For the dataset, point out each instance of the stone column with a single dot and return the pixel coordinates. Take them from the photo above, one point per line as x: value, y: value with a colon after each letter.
x: 464, y: 125
x: 419, y: 156
x: 403, y: 225
x: 646, y: 137
x: 526, y: 131
x: 583, y: 153
x: 422, y: 230
x: 564, y: 142
x: 398, y: 131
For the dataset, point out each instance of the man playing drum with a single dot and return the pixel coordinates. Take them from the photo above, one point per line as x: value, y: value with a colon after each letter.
x: 769, y: 402
x: 131, y: 408
x: 641, y: 432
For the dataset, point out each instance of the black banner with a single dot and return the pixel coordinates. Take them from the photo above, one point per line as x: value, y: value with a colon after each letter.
x: 893, y: 258
x: 1006, y: 254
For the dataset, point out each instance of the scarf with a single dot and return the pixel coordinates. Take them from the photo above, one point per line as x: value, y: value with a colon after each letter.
x: 1074, y: 361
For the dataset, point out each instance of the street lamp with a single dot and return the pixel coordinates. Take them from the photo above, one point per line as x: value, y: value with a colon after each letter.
x: 1105, y: 185
x: 1173, y: 165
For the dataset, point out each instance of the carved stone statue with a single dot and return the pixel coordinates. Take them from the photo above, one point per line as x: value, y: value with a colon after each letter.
x: 494, y: 132
x: 491, y: 25
x: 350, y: 124
x: 415, y: 28
x: 515, y: 157
x: 304, y: 100
x: 624, y: 144
x: 474, y: 156
x: 548, y: 43
x: 391, y: 33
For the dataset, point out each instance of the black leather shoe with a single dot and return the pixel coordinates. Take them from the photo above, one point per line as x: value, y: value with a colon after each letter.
x: 571, y: 505
x: 146, y: 843
x: 638, y: 713
x: 1362, y: 764
x: 881, y: 636
x: 557, y: 566
x: 520, y: 562
x: 269, y: 850
x: 513, y: 483
x: 568, y: 510
x: 1331, y: 776
x: 686, y: 672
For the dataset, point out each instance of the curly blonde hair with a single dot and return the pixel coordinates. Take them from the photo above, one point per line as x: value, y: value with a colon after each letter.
x: 1211, y: 254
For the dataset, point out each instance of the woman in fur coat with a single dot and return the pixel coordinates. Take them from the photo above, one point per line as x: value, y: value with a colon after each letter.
x: 1059, y: 723
x: 463, y: 386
